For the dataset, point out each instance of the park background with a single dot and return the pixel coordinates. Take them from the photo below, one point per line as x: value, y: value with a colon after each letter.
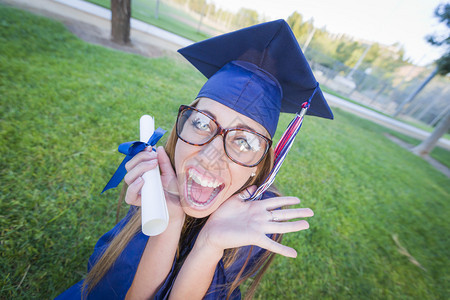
x: 380, y: 225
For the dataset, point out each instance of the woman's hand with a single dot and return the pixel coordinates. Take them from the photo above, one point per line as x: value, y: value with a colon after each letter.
x: 237, y: 223
x: 146, y: 161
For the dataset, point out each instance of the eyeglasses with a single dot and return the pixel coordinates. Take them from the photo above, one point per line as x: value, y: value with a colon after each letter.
x: 243, y: 146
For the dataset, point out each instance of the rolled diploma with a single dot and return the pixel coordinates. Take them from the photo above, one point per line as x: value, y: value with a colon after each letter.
x: 155, y: 216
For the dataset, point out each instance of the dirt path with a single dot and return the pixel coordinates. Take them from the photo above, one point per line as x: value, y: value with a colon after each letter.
x: 94, y: 29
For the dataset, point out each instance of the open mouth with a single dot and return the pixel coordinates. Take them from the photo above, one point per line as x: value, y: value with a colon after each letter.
x: 201, y: 190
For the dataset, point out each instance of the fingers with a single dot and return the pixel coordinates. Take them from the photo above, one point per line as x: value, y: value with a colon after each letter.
x: 147, y: 154
x: 133, y: 196
x: 140, y: 169
x: 165, y: 165
x: 289, y: 214
x: 142, y: 162
x: 271, y: 245
x: 285, y: 227
x: 273, y: 203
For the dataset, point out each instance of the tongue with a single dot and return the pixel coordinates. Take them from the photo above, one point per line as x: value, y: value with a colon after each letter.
x: 200, y: 193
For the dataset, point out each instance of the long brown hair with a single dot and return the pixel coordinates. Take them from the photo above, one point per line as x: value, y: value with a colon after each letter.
x: 133, y: 226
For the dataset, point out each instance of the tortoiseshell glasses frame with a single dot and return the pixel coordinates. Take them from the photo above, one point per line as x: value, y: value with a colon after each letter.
x: 185, y: 112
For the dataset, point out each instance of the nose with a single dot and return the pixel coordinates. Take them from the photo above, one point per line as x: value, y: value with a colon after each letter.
x: 213, y: 154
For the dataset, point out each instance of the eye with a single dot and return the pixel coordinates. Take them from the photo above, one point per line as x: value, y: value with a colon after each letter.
x: 243, y: 144
x: 244, y: 141
x: 201, y: 123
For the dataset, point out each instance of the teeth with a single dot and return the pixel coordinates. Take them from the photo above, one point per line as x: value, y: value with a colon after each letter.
x: 201, y: 180
x: 189, y: 198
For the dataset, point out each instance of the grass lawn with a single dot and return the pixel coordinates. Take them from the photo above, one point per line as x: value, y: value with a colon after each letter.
x: 66, y: 105
x: 169, y: 19
x: 416, y: 124
x: 440, y: 154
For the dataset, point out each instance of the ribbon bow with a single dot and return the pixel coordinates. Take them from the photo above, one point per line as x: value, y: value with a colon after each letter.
x: 130, y: 149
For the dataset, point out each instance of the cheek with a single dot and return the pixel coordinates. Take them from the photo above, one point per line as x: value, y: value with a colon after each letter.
x: 182, y: 152
x: 239, y: 176
x: 178, y: 157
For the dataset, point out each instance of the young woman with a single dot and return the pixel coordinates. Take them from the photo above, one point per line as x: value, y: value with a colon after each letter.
x: 218, y: 153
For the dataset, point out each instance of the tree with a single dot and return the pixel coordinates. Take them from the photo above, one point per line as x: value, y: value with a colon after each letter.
x: 344, y: 50
x: 198, y: 6
x: 157, y: 10
x: 246, y: 17
x: 428, y: 144
x: 120, y: 21
x: 442, y: 68
x: 442, y: 12
x: 295, y: 21
x: 300, y: 28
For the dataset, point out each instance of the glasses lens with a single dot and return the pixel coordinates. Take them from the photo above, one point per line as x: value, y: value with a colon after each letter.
x: 245, y: 146
x: 195, y: 127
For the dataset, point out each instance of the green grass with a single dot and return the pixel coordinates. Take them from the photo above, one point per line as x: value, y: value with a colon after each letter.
x: 439, y: 154
x: 66, y: 105
x: 422, y: 126
x: 416, y: 124
x: 170, y: 18
x: 334, y: 93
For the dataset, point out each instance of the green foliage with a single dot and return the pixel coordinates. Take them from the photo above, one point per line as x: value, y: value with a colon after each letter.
x: 340, y: 53
x: 300, y: 28
x: 295, y: 21
x: 344, y: 51
x: 442, y: 13
x: 245, y: 17
x: 199, y: 6
x: 66, y: 105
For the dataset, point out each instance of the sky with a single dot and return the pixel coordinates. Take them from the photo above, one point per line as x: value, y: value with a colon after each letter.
x: 384, y: 21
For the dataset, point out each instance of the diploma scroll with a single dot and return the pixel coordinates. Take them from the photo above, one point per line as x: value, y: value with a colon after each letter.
x: 155, y: 216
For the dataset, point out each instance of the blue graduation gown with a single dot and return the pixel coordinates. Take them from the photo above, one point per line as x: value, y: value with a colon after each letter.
x: 117, y: 281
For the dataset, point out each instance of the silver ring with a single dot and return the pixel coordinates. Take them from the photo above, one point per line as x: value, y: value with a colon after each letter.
x: 274, y: 219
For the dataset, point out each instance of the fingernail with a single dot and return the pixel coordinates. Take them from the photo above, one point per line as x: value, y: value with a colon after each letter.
x: 293, y: 253
x: 306, y: 225
x: 138, y: 180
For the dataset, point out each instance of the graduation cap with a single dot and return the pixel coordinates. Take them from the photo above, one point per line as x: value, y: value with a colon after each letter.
x: 259, y: 72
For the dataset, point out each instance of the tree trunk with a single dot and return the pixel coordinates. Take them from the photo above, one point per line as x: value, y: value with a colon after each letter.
x: 414, y: 94
x: 429, y: 143
x: 120, y: 21
x: 157, y: 10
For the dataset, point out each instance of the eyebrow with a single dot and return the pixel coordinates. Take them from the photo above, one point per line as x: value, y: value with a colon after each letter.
x: 209, y: 113
x: 240, y: 125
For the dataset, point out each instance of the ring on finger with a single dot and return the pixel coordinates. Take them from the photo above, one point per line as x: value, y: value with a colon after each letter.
x: 274, y: 219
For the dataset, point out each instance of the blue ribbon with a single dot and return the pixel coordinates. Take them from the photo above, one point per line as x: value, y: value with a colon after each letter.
x: 130, y: 149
